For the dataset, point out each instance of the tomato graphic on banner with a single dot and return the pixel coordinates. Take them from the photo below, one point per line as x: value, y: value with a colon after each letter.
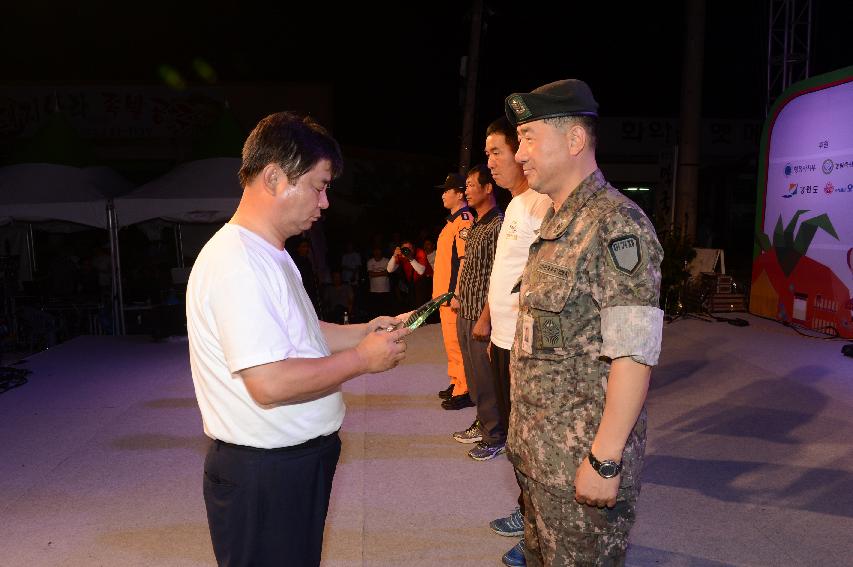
x: 789, y: 286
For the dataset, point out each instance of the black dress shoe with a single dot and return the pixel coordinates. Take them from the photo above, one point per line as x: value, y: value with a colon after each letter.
x: 458, y: 402
x: 447, y: 393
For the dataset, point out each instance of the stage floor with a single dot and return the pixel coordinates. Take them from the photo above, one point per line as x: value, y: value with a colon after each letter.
x: 749, y: 459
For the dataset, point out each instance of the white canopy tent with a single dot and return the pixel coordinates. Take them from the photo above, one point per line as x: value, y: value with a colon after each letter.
x: 203, y: 191
x: 194, y: 193
x: 43, y: 192
x: 35, y: 192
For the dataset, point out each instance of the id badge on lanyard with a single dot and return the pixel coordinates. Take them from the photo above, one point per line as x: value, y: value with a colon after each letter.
x: 527, y: 333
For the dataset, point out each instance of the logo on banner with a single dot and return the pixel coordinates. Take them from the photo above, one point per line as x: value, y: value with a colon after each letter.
x: 797, y: 168
x: 828, y: 188
x: 792, y: 191
x: 827, y: 166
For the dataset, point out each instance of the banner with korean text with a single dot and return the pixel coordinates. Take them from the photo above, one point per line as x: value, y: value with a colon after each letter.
x: 802, y: 269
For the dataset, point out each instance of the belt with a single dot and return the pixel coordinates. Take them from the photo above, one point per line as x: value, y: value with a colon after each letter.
x: 315, y: 442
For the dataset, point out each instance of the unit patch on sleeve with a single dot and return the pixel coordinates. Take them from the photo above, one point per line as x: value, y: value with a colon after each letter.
x: 625, y: 253
x: 463, y: 234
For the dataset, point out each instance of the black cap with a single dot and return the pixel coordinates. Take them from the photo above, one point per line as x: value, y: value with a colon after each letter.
x: 453, y: 181
x: 569, y: 97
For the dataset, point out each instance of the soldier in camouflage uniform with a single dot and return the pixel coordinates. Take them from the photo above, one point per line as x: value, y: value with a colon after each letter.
x: 589, y: 330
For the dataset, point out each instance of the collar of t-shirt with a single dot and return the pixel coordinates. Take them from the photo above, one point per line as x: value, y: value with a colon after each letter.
x: 258, y: 238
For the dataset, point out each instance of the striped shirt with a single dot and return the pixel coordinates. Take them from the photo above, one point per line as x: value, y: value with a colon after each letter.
x: 473, y: 285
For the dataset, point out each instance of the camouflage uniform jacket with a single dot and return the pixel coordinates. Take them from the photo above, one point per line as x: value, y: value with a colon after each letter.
x: 589, y: 294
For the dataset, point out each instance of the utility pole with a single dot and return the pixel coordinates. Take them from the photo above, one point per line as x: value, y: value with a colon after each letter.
x: 471, y: 86
x: 690, y: 122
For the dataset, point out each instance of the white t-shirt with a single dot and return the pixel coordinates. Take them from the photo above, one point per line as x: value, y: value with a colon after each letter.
x: 520, y: 228
x: 350, y: 266
x: 245, y: 307
x: 381, y: 284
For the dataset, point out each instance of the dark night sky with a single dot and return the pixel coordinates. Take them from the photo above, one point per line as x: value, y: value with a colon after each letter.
x: 395, y: 70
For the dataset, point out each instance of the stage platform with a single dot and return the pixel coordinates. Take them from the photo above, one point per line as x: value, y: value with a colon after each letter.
x: 749, y: 459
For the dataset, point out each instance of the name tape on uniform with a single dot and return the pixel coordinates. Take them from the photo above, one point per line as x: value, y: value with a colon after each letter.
x: 553, y: 270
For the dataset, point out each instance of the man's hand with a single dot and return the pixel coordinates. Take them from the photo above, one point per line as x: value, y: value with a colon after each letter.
x: 482, y: 330
x: 454, y: 305
x: 382, y: 323
x: 380, y: 351
x: 593, y: 489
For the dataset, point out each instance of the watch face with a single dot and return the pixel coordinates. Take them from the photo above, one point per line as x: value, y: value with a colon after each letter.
x: 608, y: 469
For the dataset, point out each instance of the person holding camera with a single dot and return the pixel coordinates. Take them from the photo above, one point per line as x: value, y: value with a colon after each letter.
x: 416, y: 272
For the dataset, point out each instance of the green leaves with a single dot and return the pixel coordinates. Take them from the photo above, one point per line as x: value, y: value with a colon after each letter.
x: 791, y: 247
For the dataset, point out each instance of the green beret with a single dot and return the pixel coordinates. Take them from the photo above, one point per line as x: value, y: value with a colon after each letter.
x: 569, y: 97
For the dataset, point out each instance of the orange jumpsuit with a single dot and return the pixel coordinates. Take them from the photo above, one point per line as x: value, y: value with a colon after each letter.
x: 449, y: 250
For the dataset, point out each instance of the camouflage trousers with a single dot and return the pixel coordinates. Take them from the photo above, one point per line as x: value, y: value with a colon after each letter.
x: 559, y: 532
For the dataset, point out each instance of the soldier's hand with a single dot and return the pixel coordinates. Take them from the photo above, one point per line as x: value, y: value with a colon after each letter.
x: 381, y: 350
x: 454, y: 305
x: 594, y: 490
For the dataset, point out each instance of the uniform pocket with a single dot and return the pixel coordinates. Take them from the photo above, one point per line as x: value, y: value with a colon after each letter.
x: 545, y: 310
x: 550, y: 296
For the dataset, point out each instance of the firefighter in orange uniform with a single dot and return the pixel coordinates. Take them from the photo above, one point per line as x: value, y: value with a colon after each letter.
x: 449, y: 255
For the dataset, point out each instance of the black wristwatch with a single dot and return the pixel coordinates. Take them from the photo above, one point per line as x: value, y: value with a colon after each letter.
x: 606, y: 468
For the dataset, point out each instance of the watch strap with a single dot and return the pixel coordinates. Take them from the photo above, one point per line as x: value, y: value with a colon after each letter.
x: 596, y: 465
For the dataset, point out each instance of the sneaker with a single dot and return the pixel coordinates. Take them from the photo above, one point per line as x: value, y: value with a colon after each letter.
x: 515, y: 556
x: 458, y: 402
x: 510, y: 526
x: 446, y: 393
x: 470, y: 435
x: 485, y: 452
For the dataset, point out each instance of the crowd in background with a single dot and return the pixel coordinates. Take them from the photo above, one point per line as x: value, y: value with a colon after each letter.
x: 360, y: 283
x: 69, y: 293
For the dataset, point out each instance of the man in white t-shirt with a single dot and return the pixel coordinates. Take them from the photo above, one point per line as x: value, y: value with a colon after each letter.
x: 267, y: 373
x: 351, y: 265
x: 520, y: 228
x: 380, y: 282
